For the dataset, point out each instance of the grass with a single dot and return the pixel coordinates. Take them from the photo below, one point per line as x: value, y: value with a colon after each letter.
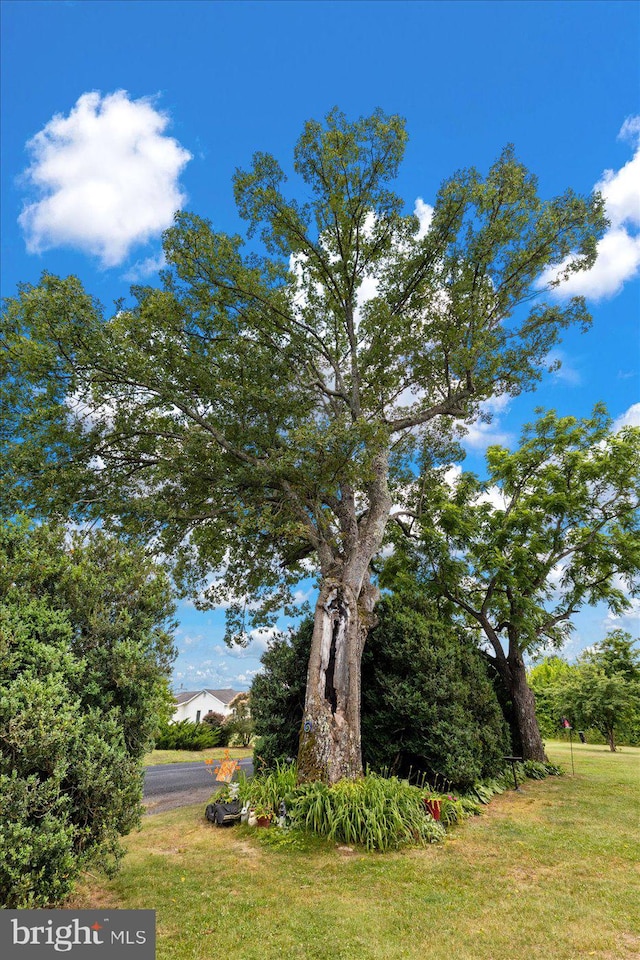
x: 551, y: 872
x: 191, y: 756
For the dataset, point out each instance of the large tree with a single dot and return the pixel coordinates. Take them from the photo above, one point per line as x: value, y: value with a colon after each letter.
x: 267, y: 409
x: 553, y: 527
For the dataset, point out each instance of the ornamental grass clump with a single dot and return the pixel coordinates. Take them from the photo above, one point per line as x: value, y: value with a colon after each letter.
x: 266, y: 791
x: 376, y: 812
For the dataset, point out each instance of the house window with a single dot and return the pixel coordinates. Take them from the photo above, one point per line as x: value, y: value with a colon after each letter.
x: 198, y: 716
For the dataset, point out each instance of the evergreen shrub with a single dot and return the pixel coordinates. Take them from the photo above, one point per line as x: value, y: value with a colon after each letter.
x: 187, y: 735
x: 84, y: 663
x: 428, y: 706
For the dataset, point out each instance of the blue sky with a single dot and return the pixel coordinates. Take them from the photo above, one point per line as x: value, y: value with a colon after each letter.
x: 153, y: 105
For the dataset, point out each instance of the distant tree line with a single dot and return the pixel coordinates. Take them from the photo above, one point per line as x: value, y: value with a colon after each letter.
x: 599, y: 695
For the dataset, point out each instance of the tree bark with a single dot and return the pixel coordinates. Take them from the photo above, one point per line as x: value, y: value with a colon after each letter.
x: 513, y: 674
x: 611, y: 739
x: 330, y: 745
x: 524, y: 709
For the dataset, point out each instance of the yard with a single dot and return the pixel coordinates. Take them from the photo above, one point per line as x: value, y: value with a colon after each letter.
x: 551, y: 872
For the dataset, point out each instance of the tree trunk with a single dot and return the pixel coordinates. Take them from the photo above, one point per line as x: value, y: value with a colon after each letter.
x: 611, y: 739
x: 501, y: 683
x: 524, y: 709
x: 330, y: 746
x: 512, y: 671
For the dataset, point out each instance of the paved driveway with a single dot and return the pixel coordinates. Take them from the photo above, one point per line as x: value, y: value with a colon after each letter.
x: 170, y: 785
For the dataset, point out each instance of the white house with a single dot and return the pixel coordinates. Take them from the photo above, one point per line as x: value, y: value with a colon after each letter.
x: 196, y: 704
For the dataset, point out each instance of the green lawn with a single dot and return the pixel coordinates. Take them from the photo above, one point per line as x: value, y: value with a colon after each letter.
x: 190, y: 756
x: 551, y: 872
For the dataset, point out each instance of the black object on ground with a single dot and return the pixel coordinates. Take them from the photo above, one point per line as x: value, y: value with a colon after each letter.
x: 224, y: 814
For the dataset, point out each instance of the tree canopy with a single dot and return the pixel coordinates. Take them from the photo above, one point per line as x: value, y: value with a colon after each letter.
x: 268, y: 406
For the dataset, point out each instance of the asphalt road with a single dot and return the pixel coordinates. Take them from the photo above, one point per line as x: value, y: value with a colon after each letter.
x: 170, y: 785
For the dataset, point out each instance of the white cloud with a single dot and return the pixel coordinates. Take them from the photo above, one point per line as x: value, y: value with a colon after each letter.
x: 630, y: 418
x: 452, y: 475
x: 556, y: 574
x: 480, y: 436
x: 629, y: 620
x: 621, y: 189
x: 495, y: 497
x: 107, y: 176
x: 424, y: 212
x: 302, y: 596
x: 205, y: 673
x: 630, y: 129
x: 245, y: 679
x: 367, y: 290
x: 619, y: 250
x: 618, y: 261
x: 233, y: 652
x: 498, y: 404
x: 142, y: 269
x: 261, y: 639
x: 258, y: 641
x: 573, y: 646
x: 486, y: 431
x: 188, y: 639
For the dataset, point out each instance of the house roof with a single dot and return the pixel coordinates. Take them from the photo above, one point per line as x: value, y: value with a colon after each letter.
x: 224, y: 696
x: 186, y: 696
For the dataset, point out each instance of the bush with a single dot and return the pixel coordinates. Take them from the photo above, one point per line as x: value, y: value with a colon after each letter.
x: 69, y: 785
x: 277, y: 696
x: 427, y: 703
x: 379, y: 813
x: 453, y: 810
x: 268, y: 789
x: 483, y: 791
x: 535, y: 770
x: 187, y: 735
x: 217, y: 722
x: 84, y: 658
